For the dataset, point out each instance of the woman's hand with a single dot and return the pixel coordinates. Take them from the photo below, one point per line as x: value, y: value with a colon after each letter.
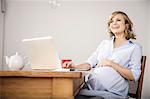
x: 105, y: 62
x: 82, y: 66
x: 68, y: 65
x: 125, y: 72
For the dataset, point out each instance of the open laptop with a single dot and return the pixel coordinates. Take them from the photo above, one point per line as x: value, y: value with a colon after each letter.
x: 42, y: 53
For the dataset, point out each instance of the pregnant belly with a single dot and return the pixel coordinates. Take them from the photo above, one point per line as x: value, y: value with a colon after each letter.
x: 108, y: 77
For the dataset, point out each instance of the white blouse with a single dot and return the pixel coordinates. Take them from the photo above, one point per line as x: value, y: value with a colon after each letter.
x: 127, y: 55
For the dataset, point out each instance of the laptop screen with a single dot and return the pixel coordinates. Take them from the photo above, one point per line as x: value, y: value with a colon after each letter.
x: 42, y: 53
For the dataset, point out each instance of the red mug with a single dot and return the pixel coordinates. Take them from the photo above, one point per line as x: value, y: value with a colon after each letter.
x: 65, y: 60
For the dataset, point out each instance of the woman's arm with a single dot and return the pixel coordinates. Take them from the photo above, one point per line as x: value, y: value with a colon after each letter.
x: 85, y: 66
x: 125, y: 72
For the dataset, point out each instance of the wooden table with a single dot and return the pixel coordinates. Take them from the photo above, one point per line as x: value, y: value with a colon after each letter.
x: 40, y: 84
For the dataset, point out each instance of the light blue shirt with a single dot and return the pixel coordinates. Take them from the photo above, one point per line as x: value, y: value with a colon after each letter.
x: 127, y: 55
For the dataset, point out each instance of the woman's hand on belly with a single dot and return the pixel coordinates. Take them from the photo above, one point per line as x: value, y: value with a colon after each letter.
x: 105, y: 62
x: 125, y: 72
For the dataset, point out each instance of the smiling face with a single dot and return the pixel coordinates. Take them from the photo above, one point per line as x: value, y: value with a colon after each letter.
x: 117, y: 25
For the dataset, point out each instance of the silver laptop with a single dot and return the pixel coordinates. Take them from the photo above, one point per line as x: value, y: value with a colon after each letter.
x: 42, y: 53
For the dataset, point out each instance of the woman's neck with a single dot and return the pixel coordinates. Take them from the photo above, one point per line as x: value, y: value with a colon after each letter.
x: 119, y: 40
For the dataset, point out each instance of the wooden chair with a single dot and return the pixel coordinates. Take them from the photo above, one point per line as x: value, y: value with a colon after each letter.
x: 135, y: 88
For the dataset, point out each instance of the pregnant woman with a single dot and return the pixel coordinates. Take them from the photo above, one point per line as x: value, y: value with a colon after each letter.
x: 115, y: 61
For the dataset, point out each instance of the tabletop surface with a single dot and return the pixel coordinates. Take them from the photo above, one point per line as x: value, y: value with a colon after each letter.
x: 41, y: 73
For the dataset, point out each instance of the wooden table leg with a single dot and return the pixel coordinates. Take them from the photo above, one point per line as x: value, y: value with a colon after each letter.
x: 62, y: 88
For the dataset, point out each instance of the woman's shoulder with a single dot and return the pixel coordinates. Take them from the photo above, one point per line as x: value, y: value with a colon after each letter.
x: 135, y: 44
x: 105, y: 42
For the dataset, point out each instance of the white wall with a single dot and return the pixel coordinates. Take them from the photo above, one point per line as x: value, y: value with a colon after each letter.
x: 77, y: 26
x: 146, y: 87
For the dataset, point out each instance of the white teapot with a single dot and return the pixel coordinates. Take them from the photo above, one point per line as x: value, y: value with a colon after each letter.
x: 15, y: 62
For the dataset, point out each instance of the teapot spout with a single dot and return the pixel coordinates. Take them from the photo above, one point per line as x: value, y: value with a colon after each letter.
x: 7, y: 59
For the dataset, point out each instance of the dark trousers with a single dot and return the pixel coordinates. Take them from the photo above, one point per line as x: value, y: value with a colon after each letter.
x: 88, y: 97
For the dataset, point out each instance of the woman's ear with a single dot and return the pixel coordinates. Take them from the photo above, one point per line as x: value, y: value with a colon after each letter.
x: 127, y: 26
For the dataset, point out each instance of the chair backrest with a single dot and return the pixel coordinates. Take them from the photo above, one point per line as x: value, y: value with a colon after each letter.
x: 135, y: 88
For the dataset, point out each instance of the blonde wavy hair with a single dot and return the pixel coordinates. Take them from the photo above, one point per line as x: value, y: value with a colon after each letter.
x: 129, y: 34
